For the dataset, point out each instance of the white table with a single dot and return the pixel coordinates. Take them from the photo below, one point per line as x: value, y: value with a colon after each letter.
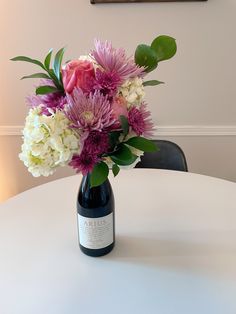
x: 175, y: 249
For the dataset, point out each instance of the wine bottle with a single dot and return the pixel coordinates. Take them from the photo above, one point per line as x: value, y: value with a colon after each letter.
x: 96, y: 221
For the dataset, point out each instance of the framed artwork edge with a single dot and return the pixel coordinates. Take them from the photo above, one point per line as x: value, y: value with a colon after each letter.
x: 143, y: 1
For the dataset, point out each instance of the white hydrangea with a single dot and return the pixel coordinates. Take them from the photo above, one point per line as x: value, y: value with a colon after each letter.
x: 133, y: 91
x: 48, y: 142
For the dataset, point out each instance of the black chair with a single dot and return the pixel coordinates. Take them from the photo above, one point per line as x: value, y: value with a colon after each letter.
x: 169, y: 156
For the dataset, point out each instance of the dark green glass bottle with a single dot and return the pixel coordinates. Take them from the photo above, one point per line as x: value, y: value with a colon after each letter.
x: 96, y: 219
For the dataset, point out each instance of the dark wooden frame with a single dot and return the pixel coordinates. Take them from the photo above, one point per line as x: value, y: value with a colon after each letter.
x: 130, y: 1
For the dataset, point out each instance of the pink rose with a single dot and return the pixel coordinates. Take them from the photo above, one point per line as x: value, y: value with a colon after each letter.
x: 119, y: 107
x: 80, y: 74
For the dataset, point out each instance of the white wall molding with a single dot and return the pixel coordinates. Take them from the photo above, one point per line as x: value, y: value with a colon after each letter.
x: 168, y: 130
x: 196, y: 130
x: 9, y: 130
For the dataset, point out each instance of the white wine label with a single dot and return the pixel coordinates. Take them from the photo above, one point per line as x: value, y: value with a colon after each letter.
x: 95, y: 233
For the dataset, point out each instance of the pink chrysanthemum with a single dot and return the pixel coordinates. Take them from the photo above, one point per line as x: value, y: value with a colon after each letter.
x: 89, y: 113
x: 51, y: 101
x: 115, y: 60
x: 140, y: 121
x: 97, y: 143
x: 84, y: 162
x: 107, y: 82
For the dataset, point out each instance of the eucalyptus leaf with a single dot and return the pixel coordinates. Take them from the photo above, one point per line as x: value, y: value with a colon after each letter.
x: 48, y: 59
x: 57, y: 63
x: 152, y: 83
x: 145, y: 56
x: 115, y: 169
x: 142, y: 144
x: 99, y: 174
x: 42, y: 90
x: 123, y: 156
x: 36, y: 75
x: 27, y: 59
x: 165, y: 47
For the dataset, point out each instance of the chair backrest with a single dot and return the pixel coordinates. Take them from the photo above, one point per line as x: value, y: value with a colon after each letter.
x: 169, y: 156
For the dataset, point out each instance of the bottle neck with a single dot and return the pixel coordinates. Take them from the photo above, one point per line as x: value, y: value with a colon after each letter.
x: 95, y: 197
x: 86, y: 182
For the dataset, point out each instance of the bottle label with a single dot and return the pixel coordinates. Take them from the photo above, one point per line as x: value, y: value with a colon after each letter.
x: 95, y: 233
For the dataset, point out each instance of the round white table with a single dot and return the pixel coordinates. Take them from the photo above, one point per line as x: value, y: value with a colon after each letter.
x: 175, y: 249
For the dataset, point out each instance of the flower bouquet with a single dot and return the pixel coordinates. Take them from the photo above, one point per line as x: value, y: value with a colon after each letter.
x: 90, y: 113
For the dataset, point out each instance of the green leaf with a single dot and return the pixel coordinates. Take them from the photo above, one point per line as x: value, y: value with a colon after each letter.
x: 124, y: 124
x: 115, y: 169
x: 26, y: 59
x: 142, y: 144
x: 53, y: 76
x: 57, y: 83
x: 145, y: 56
x: 48, y: 59
x: 57, y: 63
x: 114, y: 139
x: 165, y: 47
x: 42, y: 90
x: 123, y: 156
x: 152, y: 83
x: 36, y: 75
x: 99, y: 174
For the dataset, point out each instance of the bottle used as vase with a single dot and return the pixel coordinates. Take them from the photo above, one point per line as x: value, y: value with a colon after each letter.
x: 96, y: 220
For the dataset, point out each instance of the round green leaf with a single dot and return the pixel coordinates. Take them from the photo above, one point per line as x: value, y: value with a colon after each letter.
x: 115, y: 169
x: 123, y: 156
x: 142, y: 144
x: 99, y: 174
x: 165, y: 47
x: 145, y: 56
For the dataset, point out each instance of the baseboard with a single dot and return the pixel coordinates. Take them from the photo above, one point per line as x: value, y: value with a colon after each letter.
x: 161, y: 131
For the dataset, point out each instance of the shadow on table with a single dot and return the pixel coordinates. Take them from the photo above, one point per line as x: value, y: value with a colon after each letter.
x: 212, y: 255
